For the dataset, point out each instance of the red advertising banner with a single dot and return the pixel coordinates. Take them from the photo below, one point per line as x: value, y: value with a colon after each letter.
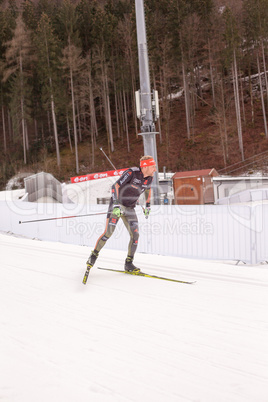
x: 95, y: 176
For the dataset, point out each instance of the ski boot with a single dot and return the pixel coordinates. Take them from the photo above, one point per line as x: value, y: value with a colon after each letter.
x: 130, y: 267
x: 90, y: 262
x: 92, y: 259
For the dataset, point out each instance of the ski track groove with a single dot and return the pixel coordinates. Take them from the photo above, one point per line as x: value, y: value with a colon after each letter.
x: 153, y: 268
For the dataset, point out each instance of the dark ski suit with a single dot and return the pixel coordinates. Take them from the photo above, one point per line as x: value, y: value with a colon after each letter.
x: 125, y: 192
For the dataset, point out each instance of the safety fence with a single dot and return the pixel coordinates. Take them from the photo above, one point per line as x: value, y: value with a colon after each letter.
x: 218, y: 232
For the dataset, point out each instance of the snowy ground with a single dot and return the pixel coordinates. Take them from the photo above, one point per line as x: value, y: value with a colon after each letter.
x: 124, y: 338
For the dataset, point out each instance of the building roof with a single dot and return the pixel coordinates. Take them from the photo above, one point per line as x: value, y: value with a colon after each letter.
x: 239, y: 178
x: 195, y: 173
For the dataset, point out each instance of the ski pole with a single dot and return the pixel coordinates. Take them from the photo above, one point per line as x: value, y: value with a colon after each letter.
x: 108, y: 158
x: 62, y: 217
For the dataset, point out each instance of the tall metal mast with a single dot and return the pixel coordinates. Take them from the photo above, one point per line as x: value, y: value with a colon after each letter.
x: 144, y: 98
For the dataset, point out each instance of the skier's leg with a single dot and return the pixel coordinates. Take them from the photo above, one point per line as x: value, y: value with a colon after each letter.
x: 110, y: 226
x: 131, y: 222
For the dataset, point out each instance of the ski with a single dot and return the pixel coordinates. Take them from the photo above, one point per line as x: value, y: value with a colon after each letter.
x: 86, y: 275
x: 147, y: 275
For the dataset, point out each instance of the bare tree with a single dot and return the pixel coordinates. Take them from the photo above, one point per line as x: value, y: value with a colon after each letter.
x: 262, y: 97
x: 104, y: 80
x: 237, y: 105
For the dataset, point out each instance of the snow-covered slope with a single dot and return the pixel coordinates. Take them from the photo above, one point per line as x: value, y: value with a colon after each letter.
x: 124, y: 338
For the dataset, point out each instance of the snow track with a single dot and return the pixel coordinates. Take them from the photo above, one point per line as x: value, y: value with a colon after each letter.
x: 124, y: 338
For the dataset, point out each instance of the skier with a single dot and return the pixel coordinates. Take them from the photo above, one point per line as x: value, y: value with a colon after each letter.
x: 125, y: 193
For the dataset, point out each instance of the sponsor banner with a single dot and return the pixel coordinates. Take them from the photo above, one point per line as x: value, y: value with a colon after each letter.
x: 95, y: 176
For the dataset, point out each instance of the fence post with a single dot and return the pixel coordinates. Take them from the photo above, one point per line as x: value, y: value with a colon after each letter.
x: 253, y: 235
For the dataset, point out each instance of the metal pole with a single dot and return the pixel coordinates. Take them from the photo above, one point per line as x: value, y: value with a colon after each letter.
x: 146, y: 115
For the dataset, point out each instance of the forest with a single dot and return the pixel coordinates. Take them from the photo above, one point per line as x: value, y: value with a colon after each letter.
x: 69, y: 72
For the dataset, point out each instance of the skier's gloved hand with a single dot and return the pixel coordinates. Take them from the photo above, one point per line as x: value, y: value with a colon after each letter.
x: 147, y: 211
x: 117, y: 211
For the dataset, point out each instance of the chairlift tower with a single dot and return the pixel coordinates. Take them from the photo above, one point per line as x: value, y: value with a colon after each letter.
x: 146, y: 101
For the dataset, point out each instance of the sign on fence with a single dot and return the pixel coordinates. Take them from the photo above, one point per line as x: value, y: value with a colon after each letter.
x: 95, y: 176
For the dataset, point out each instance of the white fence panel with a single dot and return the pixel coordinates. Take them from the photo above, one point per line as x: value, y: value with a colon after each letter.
x: 209, y: 232
x: 225, y: 232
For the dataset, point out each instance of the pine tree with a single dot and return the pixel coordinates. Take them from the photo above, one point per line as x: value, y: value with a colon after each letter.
x: 73, y: 65
x: 48, y: 51
x: 30, y: 15
x: 18, y: 69
x: 89, y: 92
x: 72, y: 62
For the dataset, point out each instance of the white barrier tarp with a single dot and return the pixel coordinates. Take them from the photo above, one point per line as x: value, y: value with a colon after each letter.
x: 225, y: 232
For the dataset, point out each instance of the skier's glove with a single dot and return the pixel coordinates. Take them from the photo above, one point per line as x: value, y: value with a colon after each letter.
x: 117, y: 211
x: 147, y: 211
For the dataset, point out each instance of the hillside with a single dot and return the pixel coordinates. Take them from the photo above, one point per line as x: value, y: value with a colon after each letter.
x: 176, y: 152
x: 216, y: 51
